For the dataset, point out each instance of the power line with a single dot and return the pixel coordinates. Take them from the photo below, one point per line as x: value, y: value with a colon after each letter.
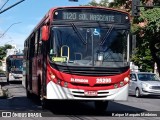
x: 11, y: 6
x: 3, y: 5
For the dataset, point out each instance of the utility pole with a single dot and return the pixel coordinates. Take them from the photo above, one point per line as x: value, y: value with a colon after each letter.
x: 11, y: 6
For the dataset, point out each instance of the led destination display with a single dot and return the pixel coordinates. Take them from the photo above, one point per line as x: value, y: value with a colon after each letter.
x: 90, y: 15
x: 87, y: 16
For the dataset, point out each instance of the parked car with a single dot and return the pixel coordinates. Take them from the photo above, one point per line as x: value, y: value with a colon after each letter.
x: 144, y: 83
x: 3, y: 77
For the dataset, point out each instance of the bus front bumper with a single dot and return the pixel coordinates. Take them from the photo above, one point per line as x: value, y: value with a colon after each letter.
x: 55, y: 91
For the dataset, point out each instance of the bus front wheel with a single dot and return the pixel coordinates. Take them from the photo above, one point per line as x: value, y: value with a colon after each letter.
x: 28, y: 94
x: 101, y: 105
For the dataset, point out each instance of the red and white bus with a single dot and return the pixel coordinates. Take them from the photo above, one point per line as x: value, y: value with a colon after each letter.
x: 79, y: 53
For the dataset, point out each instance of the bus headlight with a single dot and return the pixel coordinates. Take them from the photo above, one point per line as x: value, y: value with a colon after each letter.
x: 65, y: 84
x: 126, y: 79
x: 59, y: 81
x: 115, y: 86
x: 10, y: 74
x: 121, y: 84
x: 53, y: 76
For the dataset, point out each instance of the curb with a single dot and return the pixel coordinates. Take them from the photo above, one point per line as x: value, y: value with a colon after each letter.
x: 3, y: 92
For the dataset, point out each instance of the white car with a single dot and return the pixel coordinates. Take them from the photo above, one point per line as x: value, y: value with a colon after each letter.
x: 3, y: 77
x: 144, y: 83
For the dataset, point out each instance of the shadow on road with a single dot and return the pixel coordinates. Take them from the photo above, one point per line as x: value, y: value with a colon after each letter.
x: 64, y: 108
x: 87, y: 109
x: 147, y: 96
x: 18, y: 103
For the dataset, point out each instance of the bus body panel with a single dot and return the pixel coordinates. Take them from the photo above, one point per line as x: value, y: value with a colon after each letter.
x: 37, y: 74
x: 103, y: 86
x: 55, y: 91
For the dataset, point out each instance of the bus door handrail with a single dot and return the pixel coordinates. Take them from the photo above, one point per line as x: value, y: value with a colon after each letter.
x: 68, y: 52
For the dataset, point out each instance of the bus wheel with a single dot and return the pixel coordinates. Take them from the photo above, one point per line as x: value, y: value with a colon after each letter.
x: 28, y: 94
x: 41, y: 100
x: 7, y: 80
x: 101, y: 105
x: 43, y: 104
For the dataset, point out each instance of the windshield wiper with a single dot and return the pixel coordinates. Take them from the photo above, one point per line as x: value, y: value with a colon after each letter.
x: 78, y: 33
x: 106, y: 36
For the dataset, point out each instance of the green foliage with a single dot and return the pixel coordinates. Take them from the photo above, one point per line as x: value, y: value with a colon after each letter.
x: 105, y: 3
x: 147, y: 38
x: 3, y: 51
x: 92, y: 3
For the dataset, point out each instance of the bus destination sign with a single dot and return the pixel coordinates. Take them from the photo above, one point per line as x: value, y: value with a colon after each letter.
x: 16, y: 56
x: 91, y: 15
x: 87, y: 17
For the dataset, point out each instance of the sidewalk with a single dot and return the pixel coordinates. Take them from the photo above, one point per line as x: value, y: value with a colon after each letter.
x: 1, y: 92
x: 14, y: 90
x: 16, y: 99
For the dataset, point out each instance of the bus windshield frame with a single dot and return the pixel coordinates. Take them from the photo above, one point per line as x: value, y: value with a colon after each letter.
x: 89, y: 37
x: 93, y: 40
x: 91, y: 15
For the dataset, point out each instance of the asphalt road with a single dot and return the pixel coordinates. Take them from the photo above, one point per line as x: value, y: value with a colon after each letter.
x: 65, y: 110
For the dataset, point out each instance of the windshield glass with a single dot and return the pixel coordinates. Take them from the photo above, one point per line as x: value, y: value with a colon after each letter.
x: 148, y: 77
x: 89, y: 46
x: 17, y: 64
x: 2, y: 75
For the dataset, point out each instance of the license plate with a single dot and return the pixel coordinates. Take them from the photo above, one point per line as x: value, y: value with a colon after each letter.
x: 90, y: 93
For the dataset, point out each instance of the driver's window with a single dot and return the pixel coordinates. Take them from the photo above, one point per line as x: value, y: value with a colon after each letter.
x: 133, y: 77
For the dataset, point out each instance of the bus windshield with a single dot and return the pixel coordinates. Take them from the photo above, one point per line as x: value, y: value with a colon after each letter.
x: 17, y: 63
x: 88, y: 46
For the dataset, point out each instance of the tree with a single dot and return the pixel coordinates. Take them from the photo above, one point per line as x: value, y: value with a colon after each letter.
x: 3, y: 52
x: 148, y: 37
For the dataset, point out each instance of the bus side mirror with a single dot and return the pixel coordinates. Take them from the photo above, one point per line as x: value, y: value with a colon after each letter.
x: 45, y: 33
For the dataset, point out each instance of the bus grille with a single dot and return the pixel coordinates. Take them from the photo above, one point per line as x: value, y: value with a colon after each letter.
x: 80, y: 94
x: 90, y: 71
x: 87, y: 85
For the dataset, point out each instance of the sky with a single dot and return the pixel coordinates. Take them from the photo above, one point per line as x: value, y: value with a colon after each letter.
x: 18, y: 22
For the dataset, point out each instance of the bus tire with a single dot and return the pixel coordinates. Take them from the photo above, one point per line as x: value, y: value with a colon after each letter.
x: 39, y: 89
x: 101, y: 105
x: 44, y: 104
x: 42, y: 101
x: 28, y: 94
x: 7, y: 80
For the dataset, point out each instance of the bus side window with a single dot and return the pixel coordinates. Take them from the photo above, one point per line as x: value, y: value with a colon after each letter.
x: 36, y: 44
x: 32, y: 46
x: 25, y: 50
x: 39, y: 49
